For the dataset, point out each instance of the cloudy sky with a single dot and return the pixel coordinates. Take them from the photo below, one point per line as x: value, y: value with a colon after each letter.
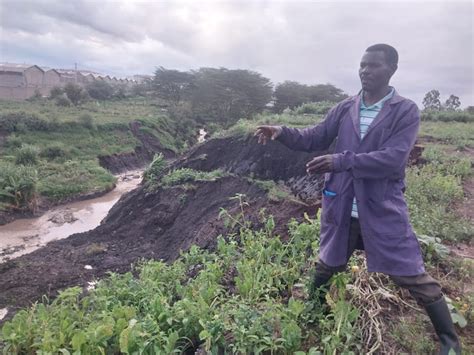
x: 307, y: 41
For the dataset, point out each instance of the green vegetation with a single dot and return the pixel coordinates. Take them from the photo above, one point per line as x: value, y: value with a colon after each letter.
x: 275, y: 191
x: 186, y: 175
x: 432, y: 191
x: 155, y: 169
x: 447, y: 116
x: 459, y: 134
x: 63, y: 143
x: 18, y: 186
x: 237, y: 299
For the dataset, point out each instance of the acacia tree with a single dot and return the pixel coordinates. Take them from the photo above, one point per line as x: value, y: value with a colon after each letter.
x: 172, y: 85
x: 225, y: 95
x: 431, y: 101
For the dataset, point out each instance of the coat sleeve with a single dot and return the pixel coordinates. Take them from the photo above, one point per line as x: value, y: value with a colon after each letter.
x: 391, y: 156
x: 316, y: 138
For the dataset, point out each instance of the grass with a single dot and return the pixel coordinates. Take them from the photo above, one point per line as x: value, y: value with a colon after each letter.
x: 64, y: 143
x: 61, y: 181
x: 459, y: 134
x: 116, y: 112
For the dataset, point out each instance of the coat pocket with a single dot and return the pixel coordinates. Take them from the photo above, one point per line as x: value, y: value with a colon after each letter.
x: 330, y: 207
x: 386, y: 217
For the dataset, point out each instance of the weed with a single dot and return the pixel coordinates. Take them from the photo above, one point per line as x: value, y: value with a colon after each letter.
x: 186, y: 175
x: 155, y: 169
x: 27, y: 155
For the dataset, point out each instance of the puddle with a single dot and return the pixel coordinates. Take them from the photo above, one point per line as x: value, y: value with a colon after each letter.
x: 26, y: 235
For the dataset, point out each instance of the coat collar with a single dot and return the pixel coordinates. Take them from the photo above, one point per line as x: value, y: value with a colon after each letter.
x: 383, y: 114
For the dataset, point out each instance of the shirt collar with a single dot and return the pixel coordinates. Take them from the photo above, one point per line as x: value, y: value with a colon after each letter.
x: 378, y: 105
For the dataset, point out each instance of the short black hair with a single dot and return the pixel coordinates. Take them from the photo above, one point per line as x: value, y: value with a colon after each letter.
x: 391, y: 54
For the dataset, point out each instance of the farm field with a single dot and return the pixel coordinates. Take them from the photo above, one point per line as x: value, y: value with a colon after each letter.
x: 224, y: 263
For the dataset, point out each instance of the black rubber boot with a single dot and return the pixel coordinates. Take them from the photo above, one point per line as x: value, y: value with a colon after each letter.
x: 319, y: 286
x: 318, y: 289
x: 441, y: 318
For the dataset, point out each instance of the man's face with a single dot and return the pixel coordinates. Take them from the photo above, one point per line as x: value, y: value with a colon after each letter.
x: 374, y: 72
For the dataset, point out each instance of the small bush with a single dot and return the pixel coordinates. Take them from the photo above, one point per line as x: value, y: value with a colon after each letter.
x: 63, y: 101
x: 55, y: 92
x: 13, y: 141
x: 183, y: 175
x: 86, y: 121
x: 27, y: 155
x: 314, y: 108
x: 156, y: 168
x: 18, y: 185
x: 53, y: 152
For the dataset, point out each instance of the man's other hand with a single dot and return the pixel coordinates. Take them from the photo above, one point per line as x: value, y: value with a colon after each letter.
x: 264, y: 133
x: 320, y: 165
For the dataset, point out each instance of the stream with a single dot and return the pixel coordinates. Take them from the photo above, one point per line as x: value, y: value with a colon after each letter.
x: 25, y: 235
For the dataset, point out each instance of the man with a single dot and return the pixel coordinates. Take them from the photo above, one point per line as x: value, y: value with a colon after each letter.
x: 363, y: 205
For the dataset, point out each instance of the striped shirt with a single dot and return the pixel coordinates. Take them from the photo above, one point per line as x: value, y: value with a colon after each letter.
x: 367, y: 114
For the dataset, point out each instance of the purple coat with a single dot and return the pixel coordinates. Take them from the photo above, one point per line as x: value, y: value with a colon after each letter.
x: 372, y: 170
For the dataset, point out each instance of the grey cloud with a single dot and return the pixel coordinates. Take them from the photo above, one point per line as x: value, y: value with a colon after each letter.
x: 311, y: 42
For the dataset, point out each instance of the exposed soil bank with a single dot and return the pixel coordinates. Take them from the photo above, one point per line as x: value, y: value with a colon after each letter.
x: 25, y: 235
x: 159, y: 224
x: 142, y: 224
x: 142, y: 155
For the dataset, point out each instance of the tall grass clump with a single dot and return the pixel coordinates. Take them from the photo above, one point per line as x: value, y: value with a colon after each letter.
x: 156, y: 168
x: 27, y: 155
x: 18, y: 186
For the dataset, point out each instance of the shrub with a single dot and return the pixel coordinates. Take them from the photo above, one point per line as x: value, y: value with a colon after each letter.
x: 55, y: 92
x: 156, y: 168
x: 86, y: 121
x: 53, y: 152
x: 13, y: 141
x: 27, y: 155
x: 183, y: 175
x: 63, y: 101
x: 100, y: 90
x: 18, y: 185
x: 75, y: 94
x: 314, y: 108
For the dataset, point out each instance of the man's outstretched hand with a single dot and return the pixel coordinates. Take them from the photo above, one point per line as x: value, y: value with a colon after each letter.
x: 264, y: 133
x: 320, y: 165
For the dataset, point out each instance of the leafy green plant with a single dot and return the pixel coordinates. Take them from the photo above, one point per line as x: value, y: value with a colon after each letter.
x: 27, y: 155
x: 18, y: 186
x: 186, y: 175
x: 156, y: 168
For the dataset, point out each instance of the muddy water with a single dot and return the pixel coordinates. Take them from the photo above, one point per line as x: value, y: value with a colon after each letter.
x: 25, y: 235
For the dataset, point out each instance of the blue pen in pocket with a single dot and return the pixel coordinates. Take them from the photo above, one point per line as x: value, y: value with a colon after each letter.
x: 329, y: 193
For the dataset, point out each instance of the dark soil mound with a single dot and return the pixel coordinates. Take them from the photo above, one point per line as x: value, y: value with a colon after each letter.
x: 245, y: 157
x: 141, y: 225
x: 159, y: 224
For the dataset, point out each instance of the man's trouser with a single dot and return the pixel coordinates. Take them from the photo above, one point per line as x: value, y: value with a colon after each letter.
x: 425, y: 290
x: 422, y: 287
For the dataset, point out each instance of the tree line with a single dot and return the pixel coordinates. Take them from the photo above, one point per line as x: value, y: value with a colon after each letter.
x: 224, y: 95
